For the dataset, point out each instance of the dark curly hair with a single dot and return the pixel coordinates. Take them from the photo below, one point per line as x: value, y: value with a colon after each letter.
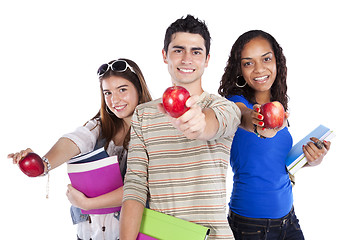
x: 233, y: 70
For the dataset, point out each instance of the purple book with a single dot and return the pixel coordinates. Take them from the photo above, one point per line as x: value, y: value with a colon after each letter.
x: 95, y: 178
x: 142, y: 236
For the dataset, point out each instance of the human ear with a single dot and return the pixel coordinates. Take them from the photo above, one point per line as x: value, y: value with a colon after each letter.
x: 164, y: 56
x: 207, y: 60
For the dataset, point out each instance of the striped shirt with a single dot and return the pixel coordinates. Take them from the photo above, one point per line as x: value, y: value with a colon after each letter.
x: 178, y: 176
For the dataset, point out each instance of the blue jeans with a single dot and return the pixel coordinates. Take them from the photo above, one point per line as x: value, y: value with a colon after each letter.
x: 285, y: 228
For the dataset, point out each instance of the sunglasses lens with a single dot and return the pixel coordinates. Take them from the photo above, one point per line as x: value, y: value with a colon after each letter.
x: 102, y: 69
x: 119, y: 66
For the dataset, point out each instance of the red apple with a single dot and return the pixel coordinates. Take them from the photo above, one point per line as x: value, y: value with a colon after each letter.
x: 273, y: 113
x: 174, y: 99
x: 32, y: 165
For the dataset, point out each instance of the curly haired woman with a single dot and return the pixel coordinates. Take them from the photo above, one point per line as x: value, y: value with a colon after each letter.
x: 261, y: 204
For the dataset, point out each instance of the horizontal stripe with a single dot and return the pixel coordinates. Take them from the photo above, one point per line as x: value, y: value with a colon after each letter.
x: 182, y: 177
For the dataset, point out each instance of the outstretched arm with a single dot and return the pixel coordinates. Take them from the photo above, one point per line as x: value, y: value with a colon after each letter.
x: 61, y: 152
x: 196, y: 123
x: 252, y: 118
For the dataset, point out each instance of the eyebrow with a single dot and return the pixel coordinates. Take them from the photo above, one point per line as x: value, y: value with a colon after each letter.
x: 121, y: 86
x: 248, y: 58
x: 193, y: 48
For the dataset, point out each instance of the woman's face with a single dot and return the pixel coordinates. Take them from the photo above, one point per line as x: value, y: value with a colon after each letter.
x: 258, y: 64
x: 120, y: 96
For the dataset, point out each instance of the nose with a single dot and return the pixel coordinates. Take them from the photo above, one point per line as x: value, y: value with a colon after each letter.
x: 115, y: 98
x: 259, y: 67
x: 187, y: 58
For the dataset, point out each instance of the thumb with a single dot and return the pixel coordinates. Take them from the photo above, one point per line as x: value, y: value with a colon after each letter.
x: 192, y: 101
x: 161, y: 108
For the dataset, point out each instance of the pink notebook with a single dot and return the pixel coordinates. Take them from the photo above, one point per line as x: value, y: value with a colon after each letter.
x: 142, y: 236
x: 95, y: 178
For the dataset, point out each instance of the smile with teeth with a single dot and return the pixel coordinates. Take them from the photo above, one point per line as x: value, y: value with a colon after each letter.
x: 186, y: 70
x: 119, y: 108
x: 260, y: 79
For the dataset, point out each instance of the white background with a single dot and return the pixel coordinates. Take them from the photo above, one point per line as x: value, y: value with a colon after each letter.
x: 50, y: 51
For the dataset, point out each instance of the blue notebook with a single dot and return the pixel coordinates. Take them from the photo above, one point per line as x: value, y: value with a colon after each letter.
x: 89, y: 157
x: 296, y: 158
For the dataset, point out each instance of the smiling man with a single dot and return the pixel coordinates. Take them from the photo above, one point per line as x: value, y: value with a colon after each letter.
x: 178, y: 166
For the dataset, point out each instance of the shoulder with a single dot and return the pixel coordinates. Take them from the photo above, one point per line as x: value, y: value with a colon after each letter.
x: 148, y: 110
x: 216, y: 101
x: 92, y: 124
x: 149, y: 106
x: 209, y: 99
x: 240, y: 98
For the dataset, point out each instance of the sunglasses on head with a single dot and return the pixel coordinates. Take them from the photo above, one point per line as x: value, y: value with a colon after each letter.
x: 116, y: 66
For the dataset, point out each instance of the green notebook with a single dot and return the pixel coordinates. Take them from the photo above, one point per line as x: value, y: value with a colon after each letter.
x: 165, y: 227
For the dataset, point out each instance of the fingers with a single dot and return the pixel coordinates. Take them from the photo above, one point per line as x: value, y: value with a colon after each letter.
x: 19, y: 155
x: 192, y: 123
x: 192, y: 101
x: 324, y: 143
x: 256, y: 116
x: 313, y: 153
x: 161, y: 108
x: 327, y: 145
x: 69, y: 189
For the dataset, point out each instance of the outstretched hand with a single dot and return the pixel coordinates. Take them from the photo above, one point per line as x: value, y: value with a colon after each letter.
x: 257, y: 121
x: 192, y: 123
x: 19, y: 155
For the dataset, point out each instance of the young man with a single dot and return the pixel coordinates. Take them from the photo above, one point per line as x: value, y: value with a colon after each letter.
x: 179, y: 165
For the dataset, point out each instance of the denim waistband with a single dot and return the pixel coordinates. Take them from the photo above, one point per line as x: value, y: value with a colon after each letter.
x: 267, y: 222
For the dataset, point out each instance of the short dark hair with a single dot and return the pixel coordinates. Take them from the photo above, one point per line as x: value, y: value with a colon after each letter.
x: 190, y: 24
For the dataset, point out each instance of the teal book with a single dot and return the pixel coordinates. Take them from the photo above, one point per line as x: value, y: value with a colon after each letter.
x: 296, y: 158
x: 164, y: 227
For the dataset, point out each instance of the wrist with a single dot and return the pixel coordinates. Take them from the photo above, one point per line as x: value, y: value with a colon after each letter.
x: 85, y: 204
x: 257, y: 133
x: 47, y: 166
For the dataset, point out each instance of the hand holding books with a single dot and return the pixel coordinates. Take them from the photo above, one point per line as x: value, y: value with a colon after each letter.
x: 315, y: 151
x: 306, y: 152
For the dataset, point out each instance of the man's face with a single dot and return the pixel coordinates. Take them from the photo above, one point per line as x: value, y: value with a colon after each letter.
x: 186, y: 58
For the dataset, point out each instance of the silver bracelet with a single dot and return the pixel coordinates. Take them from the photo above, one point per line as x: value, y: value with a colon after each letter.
x: 48, y: 165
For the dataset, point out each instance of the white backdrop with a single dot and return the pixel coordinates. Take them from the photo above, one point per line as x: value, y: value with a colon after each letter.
x: 50, y: 51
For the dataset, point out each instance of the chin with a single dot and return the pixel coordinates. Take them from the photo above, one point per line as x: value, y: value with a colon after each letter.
x: 123, y: 115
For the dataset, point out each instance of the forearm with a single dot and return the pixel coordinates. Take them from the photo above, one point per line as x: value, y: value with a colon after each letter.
x: 246, y: 117
x: 212, y: 125
x: 130, y: 219
x: 62, y: 151
x: 108, y: 200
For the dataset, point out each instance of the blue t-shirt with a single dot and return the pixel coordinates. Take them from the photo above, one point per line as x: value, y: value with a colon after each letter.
x: 262, y: 188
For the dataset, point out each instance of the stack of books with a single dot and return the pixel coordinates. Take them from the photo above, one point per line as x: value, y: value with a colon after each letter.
x: 96, y: 173
x: 296, y: 158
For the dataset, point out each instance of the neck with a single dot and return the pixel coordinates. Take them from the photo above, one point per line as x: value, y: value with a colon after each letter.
x: 194, y: 88
x: 263, y: 97
x: 120, y: 136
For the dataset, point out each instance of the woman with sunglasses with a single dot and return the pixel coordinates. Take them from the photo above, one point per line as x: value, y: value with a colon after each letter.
x: 122, y: 87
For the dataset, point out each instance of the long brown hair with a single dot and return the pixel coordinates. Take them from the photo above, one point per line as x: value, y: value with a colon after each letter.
x: 233, y: 71
x: 109, y: 123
